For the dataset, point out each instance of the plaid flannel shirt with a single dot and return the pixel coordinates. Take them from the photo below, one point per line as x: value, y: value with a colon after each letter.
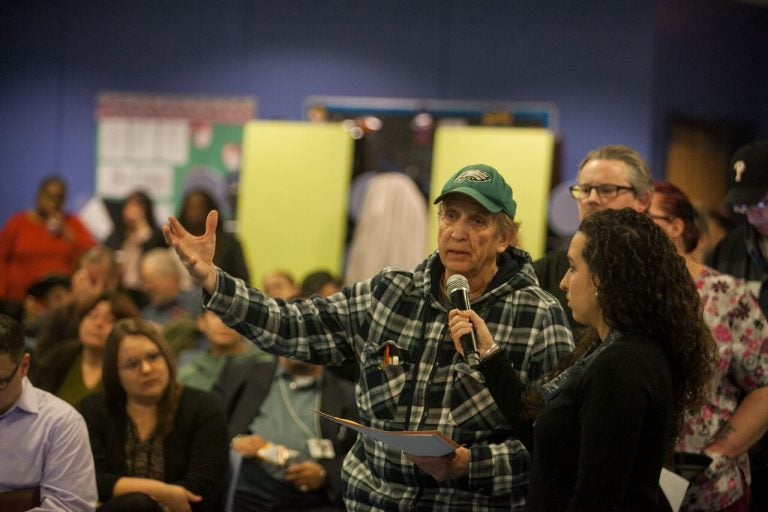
x: 431, y: 388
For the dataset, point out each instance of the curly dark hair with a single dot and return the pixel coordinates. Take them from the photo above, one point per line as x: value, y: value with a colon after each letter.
x: 644, y: 287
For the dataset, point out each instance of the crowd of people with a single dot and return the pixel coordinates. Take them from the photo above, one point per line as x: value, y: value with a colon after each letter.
x: 568, y: 384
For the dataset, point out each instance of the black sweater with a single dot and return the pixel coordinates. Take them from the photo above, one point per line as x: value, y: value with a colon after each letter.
x: 600, y: 443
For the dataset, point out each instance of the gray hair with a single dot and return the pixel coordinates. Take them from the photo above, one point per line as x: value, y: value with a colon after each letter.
x: 639, y: 174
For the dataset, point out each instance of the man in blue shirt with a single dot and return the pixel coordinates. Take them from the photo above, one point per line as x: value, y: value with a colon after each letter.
x: 44, y: 441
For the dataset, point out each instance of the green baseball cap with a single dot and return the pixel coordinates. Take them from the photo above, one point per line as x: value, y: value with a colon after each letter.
x: 485, y: 185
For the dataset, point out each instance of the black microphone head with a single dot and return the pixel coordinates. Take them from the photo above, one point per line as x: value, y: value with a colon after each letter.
x: 457, y: 282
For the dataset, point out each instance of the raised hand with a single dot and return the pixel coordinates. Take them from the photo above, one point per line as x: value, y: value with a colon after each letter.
x: 195, y: 252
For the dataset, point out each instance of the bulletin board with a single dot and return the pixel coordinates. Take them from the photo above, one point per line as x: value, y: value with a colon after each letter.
x: 293, y: 197
x: 167, y: 144
x: 522, y: 155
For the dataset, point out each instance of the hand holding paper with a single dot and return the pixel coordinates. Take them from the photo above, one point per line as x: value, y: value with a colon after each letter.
x: 427, y: 443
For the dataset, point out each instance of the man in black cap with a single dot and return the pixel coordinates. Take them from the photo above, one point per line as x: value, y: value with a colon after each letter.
x: 744, y: 253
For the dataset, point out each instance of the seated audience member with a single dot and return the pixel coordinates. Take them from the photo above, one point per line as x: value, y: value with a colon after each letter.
x: 323, y: 283
x: 40, y: 242
x: 71, y: 369
x: 169, y: 306
x: 735, y: 416
x: 279, y: 284
x: 195, y: 207
x: 135, y: 233
x: 43, y: 297
x: 291, y: 458
x: 46, y: 460
x: 161, y: 281
x: 320, y: 282
x: 99, y: 273
x: 224, y: 344
x: 149, y: 434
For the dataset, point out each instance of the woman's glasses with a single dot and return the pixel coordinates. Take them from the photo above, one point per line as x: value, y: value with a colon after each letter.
x: 133, y: 364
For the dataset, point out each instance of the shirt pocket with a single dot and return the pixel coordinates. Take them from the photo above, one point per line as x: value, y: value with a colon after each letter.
x: 384, y: 379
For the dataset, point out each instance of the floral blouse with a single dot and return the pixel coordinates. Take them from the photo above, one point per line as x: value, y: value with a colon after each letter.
x: 741, y: 333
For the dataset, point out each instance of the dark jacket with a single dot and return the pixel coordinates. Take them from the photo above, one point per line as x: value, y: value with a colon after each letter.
x: 51, y: 367
x: 600, y: 442
x: 243, y: 386
x: 739, y: 255
x: 196, y: 450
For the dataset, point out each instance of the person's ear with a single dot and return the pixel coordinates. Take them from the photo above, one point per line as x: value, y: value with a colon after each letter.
x: 643, y: 201
x: 677, y: 227
x: 505, y: 240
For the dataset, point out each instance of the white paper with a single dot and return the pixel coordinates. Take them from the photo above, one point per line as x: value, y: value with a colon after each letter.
x: 674, y: 487
x: 428, y: 443
x: 113, y: 138
x: 96, y: 218
x: 173, y: 141
x: 119, y: 180
x: 142, y: 139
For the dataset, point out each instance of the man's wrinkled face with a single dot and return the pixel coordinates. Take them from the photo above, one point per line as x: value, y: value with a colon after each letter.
x: 468, y: 237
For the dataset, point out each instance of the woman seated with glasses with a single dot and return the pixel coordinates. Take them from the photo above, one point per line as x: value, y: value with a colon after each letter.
x: 150, y: 435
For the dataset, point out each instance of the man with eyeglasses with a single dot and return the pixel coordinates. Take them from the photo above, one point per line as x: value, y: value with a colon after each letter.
x: 609, y: 177
x: 47, y: 461
x: 743, y: 253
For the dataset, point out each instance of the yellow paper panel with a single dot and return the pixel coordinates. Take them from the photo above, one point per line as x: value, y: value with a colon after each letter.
x: 522, y: 155
x: 292, y: 205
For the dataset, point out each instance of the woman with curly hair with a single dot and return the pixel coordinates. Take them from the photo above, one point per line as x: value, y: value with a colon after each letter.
x: 149, y: 435
x: 606, y: 419
x: 736, y: 414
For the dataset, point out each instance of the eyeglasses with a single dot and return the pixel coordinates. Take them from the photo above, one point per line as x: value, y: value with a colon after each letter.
x: 133, y: 364
x: 580, y: 192
x: 4, y: 382
x: 745, y: 208
x: 667, y: 218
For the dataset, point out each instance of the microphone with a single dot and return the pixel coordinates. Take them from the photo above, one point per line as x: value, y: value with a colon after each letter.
x: 458, y: 290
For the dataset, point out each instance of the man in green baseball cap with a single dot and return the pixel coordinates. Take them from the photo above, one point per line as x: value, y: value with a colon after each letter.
x: 475, y: 225
x: 415, y: 371
x: 485, y: 185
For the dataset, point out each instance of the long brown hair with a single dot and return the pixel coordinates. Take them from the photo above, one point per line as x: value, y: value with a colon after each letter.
x: 113, y: 388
